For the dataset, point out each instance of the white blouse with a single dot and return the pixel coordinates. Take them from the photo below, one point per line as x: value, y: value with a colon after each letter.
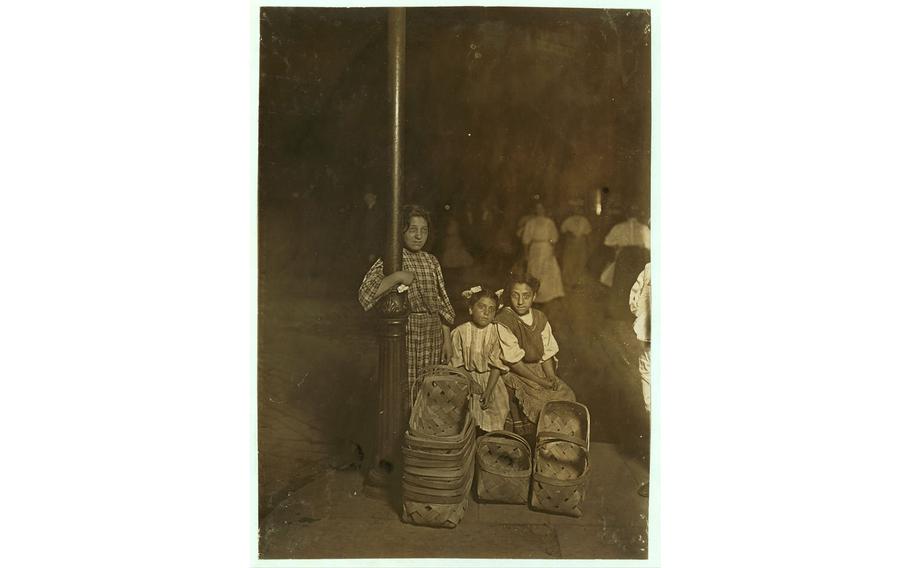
x: 578, y: 225
x: 629, y: 233
x: 476, y: 348
x: 539, y: 229
x: 640, y: 304
x: 513, y: 353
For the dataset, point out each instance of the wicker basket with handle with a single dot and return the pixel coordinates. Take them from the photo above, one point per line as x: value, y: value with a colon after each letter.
x: 443, y: 398
x: 442, y: 445
x: 565, y: 417
x: 438, y: 450
x: 561, y: 463
x: 503, y: 468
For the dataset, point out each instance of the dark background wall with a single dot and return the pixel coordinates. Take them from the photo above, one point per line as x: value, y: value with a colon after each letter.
x: 501, y: 104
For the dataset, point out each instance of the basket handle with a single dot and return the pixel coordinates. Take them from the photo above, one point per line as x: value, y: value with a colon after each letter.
x: 507, y: 434
x: 444, y: 369
x: 446, y: 372
x: 517, y: 473
x: 585, y: 444
x: 444, y: 443
x: 588, y: 422
x: 561, y: 482
x: 550, y: 436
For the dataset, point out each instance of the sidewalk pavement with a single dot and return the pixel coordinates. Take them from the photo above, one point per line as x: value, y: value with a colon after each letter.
x: 332, y: 518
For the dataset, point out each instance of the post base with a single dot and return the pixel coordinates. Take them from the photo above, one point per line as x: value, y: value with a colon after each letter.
x: 381, y: 481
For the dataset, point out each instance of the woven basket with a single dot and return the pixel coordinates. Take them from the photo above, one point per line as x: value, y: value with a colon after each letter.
x: 443, y: 398
x: 561, y: 463
x: 503, y: 468
x: 436, y: 508
x: 442, y: 445
x: 429, y: 464
x: 565, y: 417
x: 438, y: 450
x: 422, y: 490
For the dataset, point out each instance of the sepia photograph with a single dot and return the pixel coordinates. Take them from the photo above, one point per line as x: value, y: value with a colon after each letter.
x: 454, y: 283
x: 297, y: 283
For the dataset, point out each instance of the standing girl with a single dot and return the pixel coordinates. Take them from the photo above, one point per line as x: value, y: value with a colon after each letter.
x: 529, y: 350
x: 477, y: 350
x: 429, y: 341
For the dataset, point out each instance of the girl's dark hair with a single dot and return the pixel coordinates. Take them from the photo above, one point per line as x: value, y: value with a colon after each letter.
x: 522, y: 277
x: 484, y: 293
x: 409, y: 211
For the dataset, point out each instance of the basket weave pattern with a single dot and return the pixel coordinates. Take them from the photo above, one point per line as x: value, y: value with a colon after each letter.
x: 561, y: 458
x: 564, y: 417
x: 438, y: 450
x: 442, y: 400
x: 503, y: 468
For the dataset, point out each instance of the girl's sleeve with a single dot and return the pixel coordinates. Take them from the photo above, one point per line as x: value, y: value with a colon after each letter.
x: 457, y: 349
x: 448, y: 312
x: 370, y: 284
x: 613, y: 239
x: 550, y: 347
x: 635, y: 294
x: 496, y: 353
x: 511, y: 351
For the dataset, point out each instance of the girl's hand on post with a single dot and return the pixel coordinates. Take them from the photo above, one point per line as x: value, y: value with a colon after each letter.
x: 406, y: 277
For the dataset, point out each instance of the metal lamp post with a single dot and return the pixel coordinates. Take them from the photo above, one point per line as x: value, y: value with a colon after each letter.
x: 393, y: 308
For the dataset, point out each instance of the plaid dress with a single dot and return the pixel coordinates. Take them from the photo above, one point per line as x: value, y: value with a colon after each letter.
x: 428, y: 301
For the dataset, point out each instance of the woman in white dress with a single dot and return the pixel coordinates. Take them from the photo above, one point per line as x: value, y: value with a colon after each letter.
x: 539, y: 235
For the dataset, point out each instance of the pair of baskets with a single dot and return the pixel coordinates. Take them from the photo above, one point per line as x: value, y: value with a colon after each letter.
x: 438, y: 450
x: 558, y: 472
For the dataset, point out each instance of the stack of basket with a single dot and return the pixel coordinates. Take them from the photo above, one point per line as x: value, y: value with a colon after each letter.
x: 439, y: 450
x: 561, y: 458
x: 503, y: 468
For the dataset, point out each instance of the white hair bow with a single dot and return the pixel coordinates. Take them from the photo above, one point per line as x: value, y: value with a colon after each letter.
x: 471, y: 291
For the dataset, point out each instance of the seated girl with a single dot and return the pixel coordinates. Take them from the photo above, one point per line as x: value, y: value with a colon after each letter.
x: 476, y: 349
x: 529, y: 350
